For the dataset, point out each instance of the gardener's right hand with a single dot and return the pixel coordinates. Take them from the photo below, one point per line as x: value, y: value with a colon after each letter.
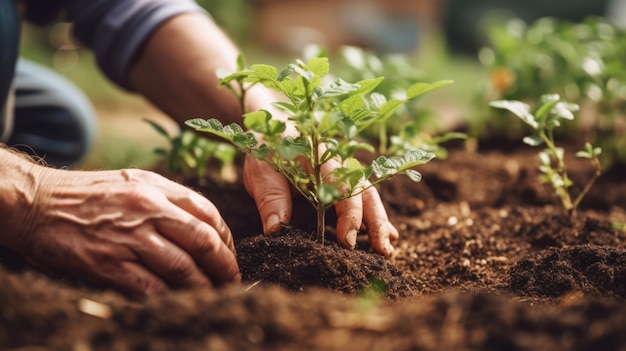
x: 130, y: 229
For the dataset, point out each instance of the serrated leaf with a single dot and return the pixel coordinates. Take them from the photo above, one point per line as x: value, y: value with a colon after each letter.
x: 261, y: 121
x: 293, y: 147
x: 338, y: 88
x: 388, y: 166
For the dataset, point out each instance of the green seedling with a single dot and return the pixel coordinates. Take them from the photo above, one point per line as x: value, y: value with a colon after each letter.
x: 548, y: 115
x: 406, y: 127
x: 329, y: 117
x: 190, y: 152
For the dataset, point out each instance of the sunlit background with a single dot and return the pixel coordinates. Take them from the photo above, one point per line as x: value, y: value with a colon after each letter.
x: 441, y: 39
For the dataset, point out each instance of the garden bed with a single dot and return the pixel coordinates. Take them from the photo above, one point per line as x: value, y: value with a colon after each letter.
x: 487, y: 260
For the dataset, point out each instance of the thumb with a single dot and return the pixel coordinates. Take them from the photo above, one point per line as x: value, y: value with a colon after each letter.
x: 271, y: 193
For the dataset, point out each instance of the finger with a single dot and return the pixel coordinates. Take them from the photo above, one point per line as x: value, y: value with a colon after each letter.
x: 204, y: 245
x: 170, y: 263
x: 198, y: 206
x: 132, y: 279
x: 349, y: 218
x: 271, y: 193
x: 380, y: 230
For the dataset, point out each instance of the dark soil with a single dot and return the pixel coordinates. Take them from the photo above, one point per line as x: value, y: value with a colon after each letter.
x: 487, y: 260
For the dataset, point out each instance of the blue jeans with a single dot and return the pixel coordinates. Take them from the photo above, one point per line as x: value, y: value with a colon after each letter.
x: 53, y: 118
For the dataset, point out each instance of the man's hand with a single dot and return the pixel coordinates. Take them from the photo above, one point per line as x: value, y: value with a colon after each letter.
x: 130, y: 229
x: 272, y: 194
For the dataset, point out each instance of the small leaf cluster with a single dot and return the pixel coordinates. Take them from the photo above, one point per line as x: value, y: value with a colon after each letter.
x: 548, y: 116
x: 190, y: 152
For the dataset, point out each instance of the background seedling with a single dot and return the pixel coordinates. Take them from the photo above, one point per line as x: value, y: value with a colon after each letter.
x: 190, y: 152
x: 329, y: 117
x: 547, y: 117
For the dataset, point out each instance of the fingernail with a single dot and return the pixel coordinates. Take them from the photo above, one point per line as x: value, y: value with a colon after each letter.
x: 388, y: 247
x: 351, y: 238
x: 272, y: 225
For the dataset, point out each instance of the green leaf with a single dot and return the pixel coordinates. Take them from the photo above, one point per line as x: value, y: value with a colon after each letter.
x: 292, y: 148
x: 418, y: 89
x: 338, y: 88
x: 518, y: 108
x: 413, y: 175
x: 589, y: 151
x: 286, y: 107
x: 232, y: 132
x: 284, y: 74
x: 319, y: 66
x: 377, y: 100
x: 241, y: 62
x: 385, y: 167
x: 533, y: 140
x: 447, y: 137
x: 367, y: 85
x: 548, y: 102
x: 327, y: 194
x: 261, y: 122
x: 388, y: 109
x: 158, y: 128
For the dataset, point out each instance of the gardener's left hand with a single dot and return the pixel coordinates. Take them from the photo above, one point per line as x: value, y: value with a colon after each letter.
x: 272, y: 194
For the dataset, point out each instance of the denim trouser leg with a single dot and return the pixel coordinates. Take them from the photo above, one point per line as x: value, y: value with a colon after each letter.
x: 53, y: 119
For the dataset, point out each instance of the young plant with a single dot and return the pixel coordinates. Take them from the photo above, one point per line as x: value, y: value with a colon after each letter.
x: 547, y: 117
x: 329, y: 117
x: 190, y: 152
x: 407, y: 126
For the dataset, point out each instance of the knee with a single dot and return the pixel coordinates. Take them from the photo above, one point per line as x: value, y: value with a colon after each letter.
x: 53, y: 118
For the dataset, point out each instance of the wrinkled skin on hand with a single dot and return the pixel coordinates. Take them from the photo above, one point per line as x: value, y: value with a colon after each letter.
x: 129, y: 229
x: 272, y: 195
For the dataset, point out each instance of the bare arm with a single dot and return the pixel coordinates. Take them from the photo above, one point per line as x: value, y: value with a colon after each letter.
x: 176, y: 71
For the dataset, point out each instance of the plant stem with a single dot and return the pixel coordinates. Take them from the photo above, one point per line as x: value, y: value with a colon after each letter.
x: 598, y: 167
x: 321, y: 221
x: 561, y: 190
x: 382, y: 137
x: 320, y: 207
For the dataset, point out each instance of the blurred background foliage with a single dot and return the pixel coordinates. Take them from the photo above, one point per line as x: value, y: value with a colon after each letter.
x: 492, y: 49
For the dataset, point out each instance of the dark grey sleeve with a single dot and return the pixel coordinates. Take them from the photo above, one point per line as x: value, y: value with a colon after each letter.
x: 115, y: 30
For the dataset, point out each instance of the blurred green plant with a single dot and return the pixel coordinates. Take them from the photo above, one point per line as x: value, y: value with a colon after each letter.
x: 547, y: 116
x: 583, y: 62
x: 191, y: 153
x: 410, y: 125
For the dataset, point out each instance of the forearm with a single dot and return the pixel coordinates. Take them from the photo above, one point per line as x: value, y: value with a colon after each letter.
x: 20, y: 178
x: 176, y: 71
